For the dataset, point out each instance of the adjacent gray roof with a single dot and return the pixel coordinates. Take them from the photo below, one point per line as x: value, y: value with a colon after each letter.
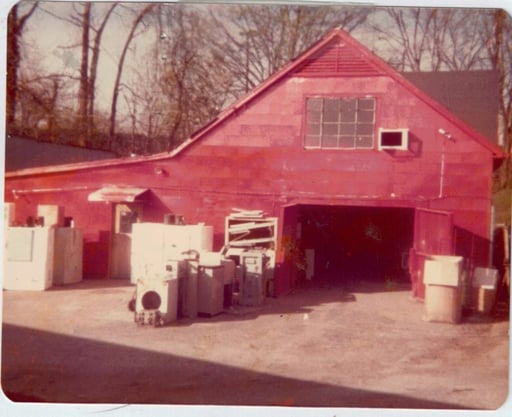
x: 21, y: 153
x: 472, y: 96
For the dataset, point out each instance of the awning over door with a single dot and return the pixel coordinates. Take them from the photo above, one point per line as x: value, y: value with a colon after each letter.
x: 115, y: 194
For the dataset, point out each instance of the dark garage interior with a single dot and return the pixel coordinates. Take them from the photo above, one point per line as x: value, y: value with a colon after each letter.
x: 355, y: 243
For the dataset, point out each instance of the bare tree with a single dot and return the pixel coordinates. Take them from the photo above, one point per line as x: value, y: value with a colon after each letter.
x: 15, y: 26
x: 146, y: 106
x: 83, y: 90
x: 115, y: 94
x: 496, y: 36
x: 452, y: 39
x: 94, y: 65
x: 256, y: 40
x: 410, y: 40
x: 417, y: 39
x: 187, y: 72
x: 84, y: 17
x: 457, y: 45
x: 181, y: 86
x: 38, y: 101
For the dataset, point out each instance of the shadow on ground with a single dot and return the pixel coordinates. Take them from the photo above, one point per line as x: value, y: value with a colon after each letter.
x: 41, y: 366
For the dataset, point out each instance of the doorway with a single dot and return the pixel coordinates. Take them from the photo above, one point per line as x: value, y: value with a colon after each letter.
x: 349, y: 244
x: 124, y: 216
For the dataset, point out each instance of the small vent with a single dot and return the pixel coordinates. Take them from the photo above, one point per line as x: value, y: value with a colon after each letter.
x: 338, y: 58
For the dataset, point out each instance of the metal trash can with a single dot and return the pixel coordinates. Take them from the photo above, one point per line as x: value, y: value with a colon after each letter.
x: 483, y: 289
x: 443, y: 289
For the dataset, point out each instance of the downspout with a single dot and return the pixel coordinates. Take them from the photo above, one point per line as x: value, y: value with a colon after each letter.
x: 491, y: 237
x: 441, y: 179
x: 445, y: 135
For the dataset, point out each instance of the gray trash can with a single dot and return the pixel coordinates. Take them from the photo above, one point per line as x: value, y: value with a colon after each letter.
x: 484, y: 287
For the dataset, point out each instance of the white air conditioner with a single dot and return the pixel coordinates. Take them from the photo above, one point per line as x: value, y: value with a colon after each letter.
x: 395, y: 139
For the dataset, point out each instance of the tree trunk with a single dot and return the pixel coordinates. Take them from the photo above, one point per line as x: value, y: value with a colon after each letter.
x: 83, y: 92
x: 115, y: 94
x: 94, y: 68
x: 15, y: 27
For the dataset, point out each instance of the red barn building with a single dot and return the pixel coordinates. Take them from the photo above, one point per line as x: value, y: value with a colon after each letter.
x: 357, y: 164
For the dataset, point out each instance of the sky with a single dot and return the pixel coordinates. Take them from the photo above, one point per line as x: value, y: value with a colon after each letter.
x: 53, y: 48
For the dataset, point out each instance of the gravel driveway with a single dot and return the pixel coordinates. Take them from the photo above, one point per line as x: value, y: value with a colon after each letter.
x: 316, y: 347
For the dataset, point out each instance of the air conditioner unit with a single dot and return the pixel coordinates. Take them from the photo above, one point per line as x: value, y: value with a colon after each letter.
x: 395, y: 139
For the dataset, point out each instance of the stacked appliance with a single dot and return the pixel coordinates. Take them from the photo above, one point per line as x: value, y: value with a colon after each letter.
x: 67, y: 261
x: 29, y: 258
x: 251, y: 240
x: 153, y: 244
x: 254, y: 278
x: 42, y: 253
x: 165, y: 269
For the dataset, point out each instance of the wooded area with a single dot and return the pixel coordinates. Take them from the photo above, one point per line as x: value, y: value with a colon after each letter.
x: 179, y: 65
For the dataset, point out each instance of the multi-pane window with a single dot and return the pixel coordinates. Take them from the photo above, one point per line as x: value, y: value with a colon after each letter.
x: 340, y: 123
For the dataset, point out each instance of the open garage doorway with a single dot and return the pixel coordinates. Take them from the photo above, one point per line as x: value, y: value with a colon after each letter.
x: 349, y: 244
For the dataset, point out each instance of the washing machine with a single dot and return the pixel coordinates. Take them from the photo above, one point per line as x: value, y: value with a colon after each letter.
x: 156, y: 301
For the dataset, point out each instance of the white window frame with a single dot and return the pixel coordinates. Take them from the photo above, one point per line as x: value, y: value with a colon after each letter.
x: 322, y: 124
x: 404, y: 145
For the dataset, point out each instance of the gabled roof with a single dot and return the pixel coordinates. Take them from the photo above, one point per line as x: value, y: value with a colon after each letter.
x: 336, y: 54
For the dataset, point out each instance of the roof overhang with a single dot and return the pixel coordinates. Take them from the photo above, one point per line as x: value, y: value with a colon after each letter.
x: 115, y: 194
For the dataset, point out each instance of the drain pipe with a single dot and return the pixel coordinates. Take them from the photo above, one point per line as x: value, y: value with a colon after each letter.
x: 445, y: 135
x: 441, y: 179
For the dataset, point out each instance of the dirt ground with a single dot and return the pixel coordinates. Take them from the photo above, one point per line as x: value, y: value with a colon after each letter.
x: 317, y: 347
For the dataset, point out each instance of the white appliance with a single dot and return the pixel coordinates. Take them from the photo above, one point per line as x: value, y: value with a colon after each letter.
x: 252, y: 230
x: 156, y: 302
x: 153, y: 244
x: 68, y: 256
x: 190, y: 297
x: 9, y: 214
x: 52, y: 215
x: 178, y: 270
x: 182, y: 238
x: 210, y: 289
x: 253, y: 282
x: 146, y: 256
x: 28, y: 258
